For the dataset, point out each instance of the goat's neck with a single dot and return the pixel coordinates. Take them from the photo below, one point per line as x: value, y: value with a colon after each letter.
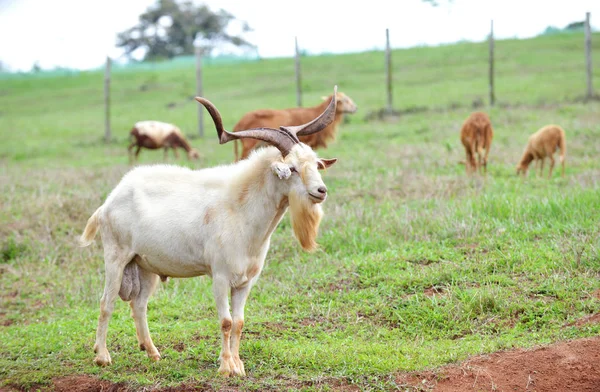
x: 526, y: 159
x: 184, y: 144
x: 261, y: 195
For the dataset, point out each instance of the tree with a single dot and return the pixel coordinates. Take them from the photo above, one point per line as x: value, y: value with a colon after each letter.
x: 169, y: 28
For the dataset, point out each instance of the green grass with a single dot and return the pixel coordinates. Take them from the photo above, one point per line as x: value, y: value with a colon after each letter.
x: 419, y: 265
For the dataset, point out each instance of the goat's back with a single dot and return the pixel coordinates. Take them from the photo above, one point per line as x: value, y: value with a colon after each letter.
x: 547, y: 139
x: 477, y: 129
x: 157, y: 130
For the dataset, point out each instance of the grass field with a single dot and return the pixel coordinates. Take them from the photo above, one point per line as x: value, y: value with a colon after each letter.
x: 419, y: 265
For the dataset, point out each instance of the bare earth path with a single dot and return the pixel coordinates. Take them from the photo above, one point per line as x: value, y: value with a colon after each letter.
x: 572, y: 366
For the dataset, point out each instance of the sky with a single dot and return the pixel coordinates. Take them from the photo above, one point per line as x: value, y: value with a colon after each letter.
x: 80, y: 34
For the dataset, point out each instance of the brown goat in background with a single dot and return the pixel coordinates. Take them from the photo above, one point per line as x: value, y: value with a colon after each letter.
x: 542, y: 144
x: 476, y: 136
x: 272, y: 118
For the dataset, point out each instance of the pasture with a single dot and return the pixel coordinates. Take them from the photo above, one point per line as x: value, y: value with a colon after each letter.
x: 419, y: 266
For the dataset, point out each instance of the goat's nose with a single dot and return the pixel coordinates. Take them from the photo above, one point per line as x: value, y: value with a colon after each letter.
x: 322, y: 189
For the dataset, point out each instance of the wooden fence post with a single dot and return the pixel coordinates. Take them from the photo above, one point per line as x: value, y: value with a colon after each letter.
x: 107, y: 134
x: 588, y: 56
x: 298, y: 77
x: 388, y: 70
x: 199, y: 92
x: 491, y: 73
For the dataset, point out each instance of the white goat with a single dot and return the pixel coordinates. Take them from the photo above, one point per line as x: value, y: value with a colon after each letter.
x: 168, y: 221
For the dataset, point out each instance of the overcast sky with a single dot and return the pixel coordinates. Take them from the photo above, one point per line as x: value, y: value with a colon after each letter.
x: 80, y: 33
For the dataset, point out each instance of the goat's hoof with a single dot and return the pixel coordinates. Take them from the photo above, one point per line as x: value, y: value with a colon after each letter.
x: 155, y: 357
x: 232, y: 367
x: 239, y: 368
x: 102, y: 360
x: 227, y: 368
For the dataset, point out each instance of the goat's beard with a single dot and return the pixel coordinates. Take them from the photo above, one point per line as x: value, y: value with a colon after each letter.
x: 306, y: 217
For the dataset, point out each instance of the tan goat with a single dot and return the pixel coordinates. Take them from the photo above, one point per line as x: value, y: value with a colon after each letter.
x: 272, y: 118
x: 542, y: 144
x: 476, y: 136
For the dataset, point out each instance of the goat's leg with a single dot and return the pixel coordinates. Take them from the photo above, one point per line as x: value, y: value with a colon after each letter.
x: 139, y: 307
x: 114, y: 263
x: 175, y: 152
x: 551, y: 166
x: 137, y: 152
x: 470, y: 163
x: 166, y: 155
x: 480, y: 162
x: 485, y: 159
x: 541, y: 164
x: 220, y: 291
x: 238, y: 302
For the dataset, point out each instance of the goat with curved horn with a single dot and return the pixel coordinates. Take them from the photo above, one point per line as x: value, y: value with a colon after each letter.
x: 283, y: 138
x: 169, y: 221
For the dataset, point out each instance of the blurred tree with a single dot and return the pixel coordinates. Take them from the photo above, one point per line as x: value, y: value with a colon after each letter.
x: 169, y: 28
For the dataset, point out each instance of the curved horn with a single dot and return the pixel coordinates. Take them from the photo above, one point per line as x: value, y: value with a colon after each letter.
x: 319, y: 123
x: 282, y: 139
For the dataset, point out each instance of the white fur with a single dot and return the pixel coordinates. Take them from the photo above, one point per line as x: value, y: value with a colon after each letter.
x: 177, y: 222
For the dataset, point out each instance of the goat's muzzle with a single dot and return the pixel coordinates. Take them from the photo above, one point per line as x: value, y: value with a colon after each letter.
x: 319, y: 196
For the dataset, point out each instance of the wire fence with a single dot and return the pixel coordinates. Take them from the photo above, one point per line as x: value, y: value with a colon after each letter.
x: 198, y: 61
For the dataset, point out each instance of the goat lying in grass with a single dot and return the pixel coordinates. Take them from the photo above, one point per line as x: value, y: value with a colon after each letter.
x: 155, y: 134
x: 476, y: 136
x: 272, y: 118
x: 168, y: 221
x: 542, y: 144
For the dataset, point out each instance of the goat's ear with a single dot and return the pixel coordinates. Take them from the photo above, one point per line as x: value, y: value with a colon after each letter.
x: 282, y: 170
x: 325, y: 163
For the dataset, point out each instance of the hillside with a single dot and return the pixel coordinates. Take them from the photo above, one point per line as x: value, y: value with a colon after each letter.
x: 419, y: 266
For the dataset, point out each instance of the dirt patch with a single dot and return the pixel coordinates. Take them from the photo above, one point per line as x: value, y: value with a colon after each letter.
x: 572, y: 366
x: 567, y: 366
x: 86, y: 384
x: 591, y: 319
x: 434, y: 291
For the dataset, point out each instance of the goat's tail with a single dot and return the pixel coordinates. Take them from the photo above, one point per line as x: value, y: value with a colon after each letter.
x: 562, y: 145
x: 484, y: 141
x: 93, y: 224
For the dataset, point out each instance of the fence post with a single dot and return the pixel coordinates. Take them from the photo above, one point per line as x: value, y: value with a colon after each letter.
x: 588, y: 56
x: 298, y: 76
x: 388, y: 70
x: 107, y: 134
x: 199, y: 92
x: 491, y: 73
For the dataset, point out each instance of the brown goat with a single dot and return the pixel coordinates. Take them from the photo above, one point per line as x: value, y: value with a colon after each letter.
x: 542, y: 144
x: 476, y: 136
x: 155, y: 134
x: 272, y: 118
